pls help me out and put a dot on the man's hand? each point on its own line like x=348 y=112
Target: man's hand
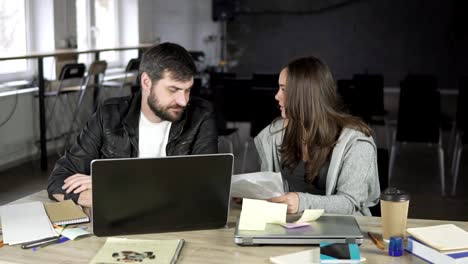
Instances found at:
x=77 y=183
x=86 y=198
x=291 y=199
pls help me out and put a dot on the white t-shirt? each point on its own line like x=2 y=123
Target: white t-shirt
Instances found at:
x=153 y=138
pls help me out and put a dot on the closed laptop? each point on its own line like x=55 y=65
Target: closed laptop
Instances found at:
x=328 y=228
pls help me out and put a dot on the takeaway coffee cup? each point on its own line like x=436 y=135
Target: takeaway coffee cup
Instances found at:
x=394 y=208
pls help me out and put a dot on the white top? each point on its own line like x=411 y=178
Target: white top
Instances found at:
x=153 y=138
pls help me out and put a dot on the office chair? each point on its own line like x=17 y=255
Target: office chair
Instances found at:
x=250 y=158
x=368 y=101
x=71 y=80
x=130 y=77
x=225 y=145
x=460 y=129
x=419 y=119
x=345 y=89
x=228 y=95
x=82 y=113
x=264 y=107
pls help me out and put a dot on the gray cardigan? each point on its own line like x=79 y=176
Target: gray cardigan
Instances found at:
x=352 y=184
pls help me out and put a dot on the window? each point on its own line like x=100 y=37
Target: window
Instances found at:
x=13 y=39
x=97 y=27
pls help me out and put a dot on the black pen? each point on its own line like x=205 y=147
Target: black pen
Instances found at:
x=42 y=242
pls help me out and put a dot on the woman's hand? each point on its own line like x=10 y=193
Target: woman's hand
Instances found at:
x=291 y=199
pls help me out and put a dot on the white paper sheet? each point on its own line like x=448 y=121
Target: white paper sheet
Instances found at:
x=257 y=185
x=253 y=215
x=310 y=215
x=25 y=222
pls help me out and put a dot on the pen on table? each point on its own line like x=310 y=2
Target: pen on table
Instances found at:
x=42 y=242
x=60 y=240
x=376 y=241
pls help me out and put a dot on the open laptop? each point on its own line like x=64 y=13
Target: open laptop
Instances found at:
x=151 y=195
x=328 y=228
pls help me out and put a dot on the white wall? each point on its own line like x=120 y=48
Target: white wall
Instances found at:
x=129 y=35
x=18 y=135
x=64 y=21
x=185 y=22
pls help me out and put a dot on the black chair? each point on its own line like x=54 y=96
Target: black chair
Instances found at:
x=64 y=107
x=264 y=107
x=228 y=94
x=419 y=118
x=368 y=101
x=130 y=78
x=460 y=129
x=345 y=89
x=382 y=163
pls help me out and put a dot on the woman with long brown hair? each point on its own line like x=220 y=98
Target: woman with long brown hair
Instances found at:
x=327 y=157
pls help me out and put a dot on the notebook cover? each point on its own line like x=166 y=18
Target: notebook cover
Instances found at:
x=65 y=212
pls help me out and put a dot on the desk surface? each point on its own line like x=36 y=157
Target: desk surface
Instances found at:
x=206 y=246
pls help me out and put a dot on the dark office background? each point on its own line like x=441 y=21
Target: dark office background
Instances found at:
x=391 y=37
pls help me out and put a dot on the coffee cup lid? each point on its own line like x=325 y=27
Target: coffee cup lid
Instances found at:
x=392 y=194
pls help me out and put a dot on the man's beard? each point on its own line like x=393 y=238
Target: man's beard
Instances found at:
x=163 y=112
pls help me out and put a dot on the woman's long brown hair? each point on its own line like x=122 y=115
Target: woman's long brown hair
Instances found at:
x=315 y=116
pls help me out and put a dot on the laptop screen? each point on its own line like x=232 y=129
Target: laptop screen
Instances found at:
x=150 y=195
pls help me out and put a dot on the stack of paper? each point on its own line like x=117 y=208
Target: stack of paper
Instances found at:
x=442 y=237
x=440 y=244
x=25 y=222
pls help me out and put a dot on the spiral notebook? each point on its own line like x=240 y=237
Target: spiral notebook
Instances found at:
x=65 y=213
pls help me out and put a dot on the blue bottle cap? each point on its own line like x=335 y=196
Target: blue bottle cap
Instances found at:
x=395 y=248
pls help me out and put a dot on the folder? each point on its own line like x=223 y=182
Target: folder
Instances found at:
x=65 y=213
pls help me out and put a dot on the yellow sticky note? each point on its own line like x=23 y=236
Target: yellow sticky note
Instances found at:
x=310 y=215
x=253 y=215
x=276 y=213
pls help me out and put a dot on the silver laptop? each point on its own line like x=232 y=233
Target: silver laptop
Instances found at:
x=328 y=228
x=152 y=195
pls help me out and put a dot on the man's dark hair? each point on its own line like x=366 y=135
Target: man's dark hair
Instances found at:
x=169 y=57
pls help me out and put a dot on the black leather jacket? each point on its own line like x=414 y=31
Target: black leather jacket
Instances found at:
x=112 y=132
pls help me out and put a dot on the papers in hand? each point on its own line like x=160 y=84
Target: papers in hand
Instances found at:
x=25 y=222
x=257 y=185
x=256 y=214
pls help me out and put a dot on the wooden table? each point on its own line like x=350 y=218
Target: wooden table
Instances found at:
x=206 y=246
x=39 y=56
